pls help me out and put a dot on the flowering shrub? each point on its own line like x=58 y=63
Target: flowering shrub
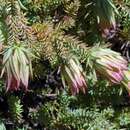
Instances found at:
x=80 y=47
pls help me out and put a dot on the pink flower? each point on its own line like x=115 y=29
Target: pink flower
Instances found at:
x=17 y=67
x=109 y=64
x=72 y=76
x=115 y=77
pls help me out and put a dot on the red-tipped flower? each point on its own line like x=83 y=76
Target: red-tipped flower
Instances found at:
x=72 y=76
x=17 y=66
x=109 y=64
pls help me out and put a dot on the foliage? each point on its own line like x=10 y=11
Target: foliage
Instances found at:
x=15 y=108
x=67 y=44
x=2 y=126
x=65 y=114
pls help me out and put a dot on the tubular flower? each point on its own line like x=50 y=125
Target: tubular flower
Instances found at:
x=17 y=67
x=109 y=64
x=72 y=76
x=126 y=80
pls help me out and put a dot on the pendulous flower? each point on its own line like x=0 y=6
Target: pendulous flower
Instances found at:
x=72 y=76
x=110 y=64
x=17 y=67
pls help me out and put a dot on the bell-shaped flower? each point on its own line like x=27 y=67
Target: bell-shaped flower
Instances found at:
x=17 y=67
x=72 y=76
x=109 y=64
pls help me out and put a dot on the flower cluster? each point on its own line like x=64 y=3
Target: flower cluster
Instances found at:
x=72 y=76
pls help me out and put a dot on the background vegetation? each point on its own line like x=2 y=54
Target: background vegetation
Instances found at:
x=64 y=64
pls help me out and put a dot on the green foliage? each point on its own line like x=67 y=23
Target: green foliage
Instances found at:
x=22 y=129
x=124 y=119
x=2 y=86
x=39 y=10
x=88 y=112
x=63 y=114
x=124 y=19
x=54 y=30
x=3 y=32
x=15 y=108
x=2 y=126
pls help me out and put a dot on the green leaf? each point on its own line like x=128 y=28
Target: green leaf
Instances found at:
x=22 y=6
x=7 y=54
x=2 y=126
